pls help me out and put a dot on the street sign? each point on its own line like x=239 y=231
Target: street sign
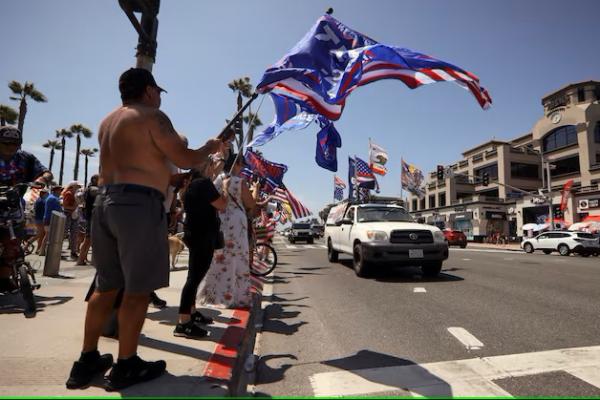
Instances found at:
x=538 y=200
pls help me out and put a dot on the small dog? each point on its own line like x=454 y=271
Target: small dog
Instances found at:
x=176 y=246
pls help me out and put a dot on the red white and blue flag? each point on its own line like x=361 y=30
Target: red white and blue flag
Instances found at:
x=332 y=60
x=338 y=188
x=299 y=210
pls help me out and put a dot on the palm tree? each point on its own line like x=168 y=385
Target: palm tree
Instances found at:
x=79 y=130
x=244 y=88
x=8 y=115
x=23 y=91
x=52 y=145
x=253 y=122
x=87 y=153
x=63 y=134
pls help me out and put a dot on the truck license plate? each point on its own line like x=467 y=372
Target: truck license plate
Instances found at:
x=415 y=253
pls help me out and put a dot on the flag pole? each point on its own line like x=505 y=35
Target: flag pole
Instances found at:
x=237 y=115
x=401 y=173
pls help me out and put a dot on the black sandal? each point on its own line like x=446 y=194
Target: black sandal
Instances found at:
x=201 y=319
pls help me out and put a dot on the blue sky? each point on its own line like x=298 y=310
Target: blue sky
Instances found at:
x=74 y=52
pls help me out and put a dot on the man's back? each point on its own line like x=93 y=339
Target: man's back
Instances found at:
x=128 y=153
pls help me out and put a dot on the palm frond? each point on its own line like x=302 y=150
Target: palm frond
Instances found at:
x=66 y=133
x=8 y=114
x=38 y=96
x=15 y=87
x=81 y=129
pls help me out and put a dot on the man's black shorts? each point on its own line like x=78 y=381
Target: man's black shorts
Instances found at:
x=129 y=239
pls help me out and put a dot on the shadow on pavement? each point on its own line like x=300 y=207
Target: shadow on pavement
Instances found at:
x=275 y=311
x=276 y=326
x=169 y=386
x=266 y=374
x=393 y=274
x=175 y=348
x=366 y=364
x=14 y=303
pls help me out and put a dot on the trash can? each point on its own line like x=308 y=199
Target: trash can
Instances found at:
x=56 y=235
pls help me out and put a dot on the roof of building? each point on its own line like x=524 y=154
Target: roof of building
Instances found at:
x=568 y=86
x=483 y=145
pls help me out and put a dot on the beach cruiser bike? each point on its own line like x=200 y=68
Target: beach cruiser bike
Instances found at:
x=264 y=256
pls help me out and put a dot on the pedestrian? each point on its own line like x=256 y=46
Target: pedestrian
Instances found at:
x=202 y=201
x=129 y=229
x=39 y=207
x=89 y=196
x=227 y=282
x=52 y=204
x=70 y=206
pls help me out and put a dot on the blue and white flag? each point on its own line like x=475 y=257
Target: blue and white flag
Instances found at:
x=328 y=140
x=332 y=60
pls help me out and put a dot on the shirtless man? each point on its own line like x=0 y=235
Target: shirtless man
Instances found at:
x=129 y=235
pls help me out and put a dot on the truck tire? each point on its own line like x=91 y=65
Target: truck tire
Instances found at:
x=332 y=255
x=528 y=247
x=311 y=241
x=432 y=269
x=292 y=241
x=361 y=267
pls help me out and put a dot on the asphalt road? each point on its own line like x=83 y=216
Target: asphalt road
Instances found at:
x=328 y=332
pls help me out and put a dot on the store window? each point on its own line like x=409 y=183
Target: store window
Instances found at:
x=580 y=95
x=414 y=205
x=565 y=166
x=442 y=199
x=492 y=171
x=560 y=137
x=523 y=170
x=422 y=204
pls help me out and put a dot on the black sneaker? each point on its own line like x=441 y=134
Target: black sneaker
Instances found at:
x=157 y=301
x=201 y=319
x=83 y=372
x=189 y=330
x=132 y=371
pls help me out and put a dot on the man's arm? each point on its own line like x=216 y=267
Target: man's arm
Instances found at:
x=170 y=143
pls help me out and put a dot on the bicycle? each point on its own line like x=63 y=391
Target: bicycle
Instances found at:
x=11 y=219
x=263 y=255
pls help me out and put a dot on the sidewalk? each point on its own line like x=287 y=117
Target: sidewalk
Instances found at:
x=36 y=354
x=510 y=246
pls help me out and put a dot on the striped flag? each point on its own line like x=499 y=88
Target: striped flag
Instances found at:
x=378 y=157
x=338 y=188
x=337 y=181
x=283 y=195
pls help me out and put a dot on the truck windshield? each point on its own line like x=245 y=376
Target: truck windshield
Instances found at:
x=301 y=226
x=373 y=214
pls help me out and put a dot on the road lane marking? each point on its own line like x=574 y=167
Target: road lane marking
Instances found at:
x=490 y=251
x=466 y=259
x=290 y=246
x=463 y=336
x=460 y=378
x=419 y=290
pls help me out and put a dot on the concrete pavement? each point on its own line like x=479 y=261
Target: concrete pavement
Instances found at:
x=36 y=354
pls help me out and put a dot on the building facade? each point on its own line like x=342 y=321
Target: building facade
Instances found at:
x=564 y=144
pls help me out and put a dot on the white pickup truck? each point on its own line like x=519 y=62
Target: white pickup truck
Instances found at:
x=383 y=234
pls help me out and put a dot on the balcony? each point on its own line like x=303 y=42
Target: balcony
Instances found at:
x=587 y=189
x=463 y=164
x=491 y=154
x=478 y=157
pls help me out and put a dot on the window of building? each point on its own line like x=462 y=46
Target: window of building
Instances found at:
x=597 y=132
x=580 y=95
x=522 y=170
x=492 y=171
x=422 y=204
x=432 y=201
x=565 y=166
x=414 y=205
x=560 y=137
x=442 y=199
x=597 y=158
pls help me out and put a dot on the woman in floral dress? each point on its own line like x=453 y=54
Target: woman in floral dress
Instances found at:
x=227 y=283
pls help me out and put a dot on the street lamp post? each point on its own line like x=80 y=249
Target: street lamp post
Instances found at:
x=549 y=196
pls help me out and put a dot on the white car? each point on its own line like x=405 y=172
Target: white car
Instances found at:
x=564 y=242
x=383 y=234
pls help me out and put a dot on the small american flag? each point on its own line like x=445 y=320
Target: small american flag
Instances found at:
x=338 y=182
x=363 y=171
x=299 y=210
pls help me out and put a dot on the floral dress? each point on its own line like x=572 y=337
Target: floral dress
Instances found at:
x=227 y=282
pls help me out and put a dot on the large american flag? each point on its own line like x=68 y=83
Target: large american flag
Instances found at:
x=364 y=174
x=332 y=60
x=283 y=195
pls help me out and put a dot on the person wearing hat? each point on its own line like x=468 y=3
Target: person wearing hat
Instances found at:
x=39 y=208
x=16 y=166
x=70 y=206
x=129 y=228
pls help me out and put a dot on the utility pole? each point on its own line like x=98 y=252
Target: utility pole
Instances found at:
x=147 y=29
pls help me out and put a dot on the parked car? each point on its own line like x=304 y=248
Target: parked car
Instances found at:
x=564 y=242
x=383 y=234
x=301 y=232
x=455 y=238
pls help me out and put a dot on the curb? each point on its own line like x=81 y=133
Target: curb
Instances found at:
x=227 y=363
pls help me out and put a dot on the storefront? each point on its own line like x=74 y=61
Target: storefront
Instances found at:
x=496 y=223
x=462 y=222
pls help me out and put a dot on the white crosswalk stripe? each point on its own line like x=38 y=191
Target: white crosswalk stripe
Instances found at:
x=471 y=377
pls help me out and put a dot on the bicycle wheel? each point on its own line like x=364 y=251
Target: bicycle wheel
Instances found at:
x=27 y=291
x=264 y=260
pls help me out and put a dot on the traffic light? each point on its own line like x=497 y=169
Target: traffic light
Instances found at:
x=440 y=172
x=485 y=179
